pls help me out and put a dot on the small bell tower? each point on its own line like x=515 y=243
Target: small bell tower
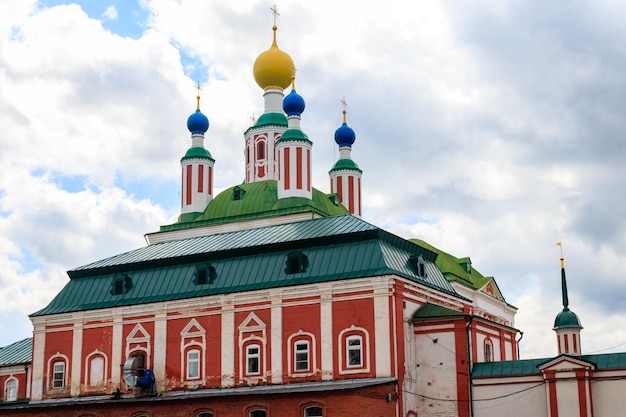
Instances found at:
x=197 y=167
x=567 y=325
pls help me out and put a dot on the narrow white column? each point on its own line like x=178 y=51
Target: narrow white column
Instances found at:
x=39 y=345
x=116 y=351
x=326 y=321
x=77 y=355
x=228 y=341
x=160 y=349
x=381 y=329
x=277 y=336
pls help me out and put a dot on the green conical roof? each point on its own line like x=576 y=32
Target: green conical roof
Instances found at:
x=567 y=319
x=345 y=164
x=197 y=152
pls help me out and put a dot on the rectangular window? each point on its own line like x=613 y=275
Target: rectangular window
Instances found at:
x=301 y=356
x=253 y=355
x=354 y=351
x=58 y=375
x=193 y=364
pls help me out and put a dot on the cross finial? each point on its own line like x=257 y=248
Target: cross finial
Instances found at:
x=562 y=259
x=253 y=118
x=274 y=10
x=199 y=88
x=344 y=103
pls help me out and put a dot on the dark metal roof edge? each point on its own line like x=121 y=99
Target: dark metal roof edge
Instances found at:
x=291 y=388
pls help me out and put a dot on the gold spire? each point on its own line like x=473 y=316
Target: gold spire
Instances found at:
x=344 y=103
x=199 y=88
x=562 y=258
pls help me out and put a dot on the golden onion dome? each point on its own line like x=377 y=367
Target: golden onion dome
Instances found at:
x=273 y=68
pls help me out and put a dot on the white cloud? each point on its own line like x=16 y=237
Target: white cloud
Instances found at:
x=110 y=13
x=490 y=130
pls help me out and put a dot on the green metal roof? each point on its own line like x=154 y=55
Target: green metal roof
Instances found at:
x=273 y=118
x=197 y=152
x=16 y=353
x=257 y=200
x=603 y=361
x=345 y=163
x=337 y=248
x=293 y=134
x=454 y=269
x=508 y=368
x=432 y=311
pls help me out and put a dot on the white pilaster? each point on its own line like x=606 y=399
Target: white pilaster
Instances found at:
x=116 y=351
x=39 y=345
x=326 y=321
x=160 y=348
x=381 y=330
x=277 y=336
x=228 y=341
x=77 y=355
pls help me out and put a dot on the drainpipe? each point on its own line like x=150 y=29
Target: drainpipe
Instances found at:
x=469 y=363
x=521 y=335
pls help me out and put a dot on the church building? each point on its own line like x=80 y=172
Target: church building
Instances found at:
x=274 y=298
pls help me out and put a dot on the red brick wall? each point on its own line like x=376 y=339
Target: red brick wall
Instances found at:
x=363 y=402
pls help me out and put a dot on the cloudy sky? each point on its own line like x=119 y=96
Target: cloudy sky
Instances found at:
x=489 y=129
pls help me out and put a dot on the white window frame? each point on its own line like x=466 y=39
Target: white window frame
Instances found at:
x=297 y=351
x=55 y=382
x=191 y=361
x=353 y=347
x=253 y=356
x=90 y=382
x=345 y=337
x=11 y=387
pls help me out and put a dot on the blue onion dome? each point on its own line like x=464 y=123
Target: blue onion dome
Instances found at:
x=293 y=103
x=198 y=123
x=345 y=136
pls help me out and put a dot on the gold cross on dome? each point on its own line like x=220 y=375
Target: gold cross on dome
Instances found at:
x=253 y=118
x=199 y=88
x=344 y=103
x=274 y=10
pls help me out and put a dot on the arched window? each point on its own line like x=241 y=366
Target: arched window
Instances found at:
x=260 y=150
x=313 y=411
x=257 y=412
x=253 y=357
x=488 y=351
x=204 y=414
x=96 y=370
x=193 y=364
x=354 y=350
x=301 y=356
x=10 y=390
